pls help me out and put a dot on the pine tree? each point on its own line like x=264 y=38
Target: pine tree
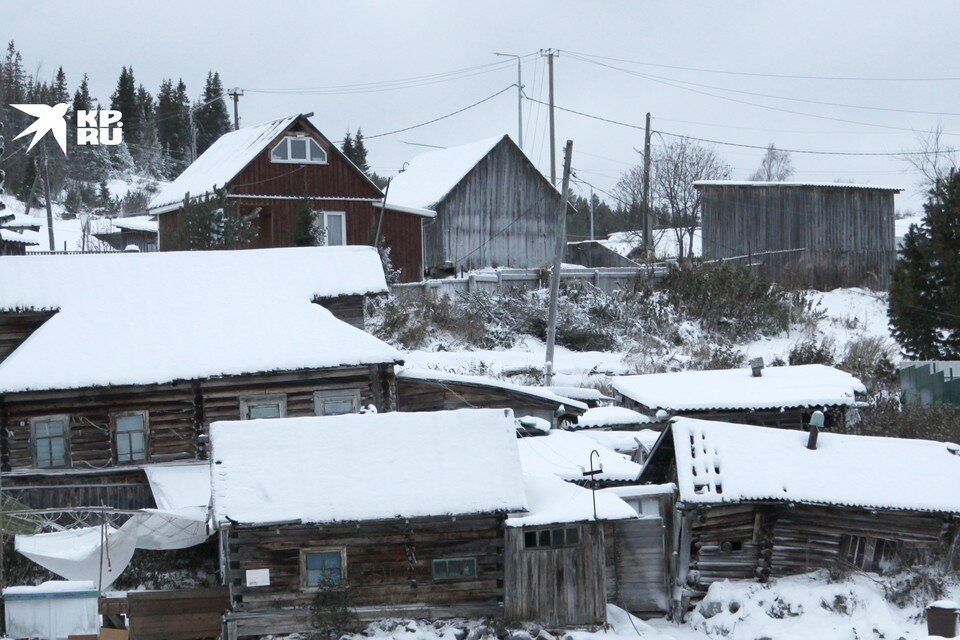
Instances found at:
x=24 y=191
x=173 y=125
x=212 y=119
x=81 y=97
x=212 y=222
x=124 y=100
x=359 y=157
x=347 y=145
x=306 y=231
x=59 y=93
x=924 y=307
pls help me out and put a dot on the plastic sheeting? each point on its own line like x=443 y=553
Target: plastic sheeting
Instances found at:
x=177 y=529
x=79 y=554
x=55 y=609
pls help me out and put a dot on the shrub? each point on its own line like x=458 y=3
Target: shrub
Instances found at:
x=331 y=613
x=886 y=417
x=870 y=358
x=813 y=351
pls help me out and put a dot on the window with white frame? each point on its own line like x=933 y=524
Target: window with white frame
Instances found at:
x=266 y=406
x=130 y=433
x=322 y=567
x=298 y=150
x=50 y=441
x=334 y=227
x=336 y=402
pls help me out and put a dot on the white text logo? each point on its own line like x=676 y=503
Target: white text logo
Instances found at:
x=102 y=126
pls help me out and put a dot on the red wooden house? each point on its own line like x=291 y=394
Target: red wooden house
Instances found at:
x=270 y=170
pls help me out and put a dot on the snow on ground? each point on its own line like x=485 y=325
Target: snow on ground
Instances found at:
x=665 y=241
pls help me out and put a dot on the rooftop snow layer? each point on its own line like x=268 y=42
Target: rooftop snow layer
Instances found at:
x=553 y=501
x=221 y=163
x=760 y=183
x=809 y=385
x=8 y=235
x=719 y=462
x=622 y=441
x=583 y=394
x=137 y=223
x=432 y=175
x=374 y=466
x=181 y=316
x=536 y=392
x=566 y=455
x=610 y=417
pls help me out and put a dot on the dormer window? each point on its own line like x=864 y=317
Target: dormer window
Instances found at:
x=298 y=150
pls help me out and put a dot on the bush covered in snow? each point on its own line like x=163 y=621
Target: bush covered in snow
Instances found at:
x=886 y=417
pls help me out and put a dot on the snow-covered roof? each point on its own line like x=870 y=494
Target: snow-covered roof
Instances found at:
x=809 y=385
x=622 y=441
x=22 y=221
x=8 y=235
x=374 y=466
x=432 y=375
x=137 y=223
x=719 y=462
x=641 y=490
x=221 y=163
x=566 y=455
x=760 y=183
x=432 y=175
x=582 y=394
x=611 y=417
x=186 y=315
x=553 y=501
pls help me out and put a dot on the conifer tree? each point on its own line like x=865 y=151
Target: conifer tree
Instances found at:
x=2 y=174
x=211 y=222
x=924 y=307
x=212 y=119
x=347 y=145
x=24 y=191
x=359 y=157
x=173 y=125
x=59 y=93
x=124 y=100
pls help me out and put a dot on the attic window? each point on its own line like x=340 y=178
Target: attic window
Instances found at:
x=298 y=150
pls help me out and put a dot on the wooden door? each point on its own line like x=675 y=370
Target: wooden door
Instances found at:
x=641 y=564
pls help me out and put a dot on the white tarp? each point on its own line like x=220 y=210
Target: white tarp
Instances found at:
x=80 y=554
x=175 y=486
x=176 y=529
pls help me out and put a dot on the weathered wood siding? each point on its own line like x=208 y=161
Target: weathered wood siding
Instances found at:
x=178 y=414
x=557 y=586
x=426 y=395
x=346 y=308
x=278 y=188
x=119 y=488
x=793 y=418
x=643 y=582
x=847 y=233
x=389 y=568
x=502 y=213
x=16 y=326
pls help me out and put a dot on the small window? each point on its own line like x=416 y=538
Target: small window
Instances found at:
x=335 y=228
x=649 y=507
x=335 y=403
x=454 y=568
x=50 y=441
x=554 y=537
x=130 y=432
x=256 y=407
x=298 y=150
x=322 y=567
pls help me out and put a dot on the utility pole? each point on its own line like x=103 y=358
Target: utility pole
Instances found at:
x=647 y=222
x=557 y=263
x=519 y=97
x=550 y=53
x=46 y=196
x=235 y=93
x=591 y=216
x=193 y=137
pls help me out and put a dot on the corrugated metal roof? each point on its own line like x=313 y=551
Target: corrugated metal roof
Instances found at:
x=758 y=183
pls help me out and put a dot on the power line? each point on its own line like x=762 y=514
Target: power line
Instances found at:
x=769 y=75
x=738 y=144
x=763 y=95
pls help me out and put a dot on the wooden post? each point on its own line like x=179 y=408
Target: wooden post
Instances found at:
x=647 y=222
x=557 y=264
x=46 y=196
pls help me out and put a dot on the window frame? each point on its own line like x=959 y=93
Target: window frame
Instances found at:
x=285 y=141
x=303 y=565
x=326 y=228
x=65 y=418
x=537 y=531
x=116 y=436
x=246 y=401
x=325 y=395
x=471 y=559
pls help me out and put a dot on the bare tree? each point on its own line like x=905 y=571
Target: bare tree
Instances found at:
x=629 y=193
x=776 y=166
x=675 y=168
x=933 y=158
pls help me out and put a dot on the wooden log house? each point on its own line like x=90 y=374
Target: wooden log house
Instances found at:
x=381 y=512
x=772 y=397
x=110 y=363
x=755 y=502
x=273 y=172
x=430 y=390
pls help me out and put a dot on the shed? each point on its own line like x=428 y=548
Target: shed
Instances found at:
x=432 y=390
x=52 y=610
x=138 y=231
x=822 y=235
x=274 y=171
x=395 y=514
x=757 y=502
x=493 y=206
x=779 y=397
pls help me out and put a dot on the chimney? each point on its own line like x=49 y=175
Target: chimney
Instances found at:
x=756 y=366
x=816 y=423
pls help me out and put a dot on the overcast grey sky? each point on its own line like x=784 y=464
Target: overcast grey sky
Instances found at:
x=307 y=45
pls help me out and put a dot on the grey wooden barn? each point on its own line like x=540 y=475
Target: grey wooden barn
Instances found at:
x=493 y=206
x=812 y=234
